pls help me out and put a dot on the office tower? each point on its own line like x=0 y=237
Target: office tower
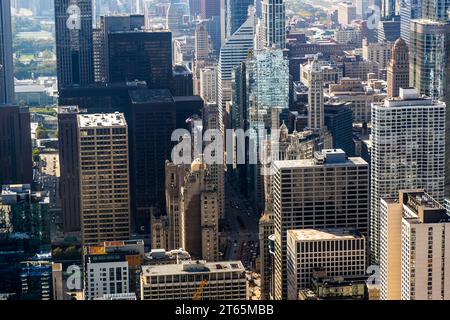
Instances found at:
x=74 y=42
x=328 y=191
x=354 y=91
x=138 y=6
x=69 y=166
x=268 y=71
x=408 y=151
x=388 y=30
x=273 y=23
x=429 y=39
x=409 y=10
x=173 y=183
x=212 y=121
x=266 y=268
x=340 y=252
x=202 y=49
x=315 y=98
x=413 y=250
x=6 y=54
x=208 y=84
x=435 y=10
x=379 y=52
x=199 y=213
x=104 y=177
x=200 y=280
x=177 y=18
x=182 y=82
x=209 y=8
x=398 y=69
x=232 y=53
x=388 y=8
x=153 y=116
x=194 y=8
x=349 y=35
x=346 y=13
x=15 y=145
x=110 y=24
x=111 y=268
x=28 y=212
x=214 y=31
x=362 y=9
x=36 y=280
x=338 y=119
x=141 y=55
x=236 y=14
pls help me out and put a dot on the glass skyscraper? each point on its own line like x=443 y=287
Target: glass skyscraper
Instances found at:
x=236 y=14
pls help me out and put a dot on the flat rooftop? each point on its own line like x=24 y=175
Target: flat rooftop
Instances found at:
x=151 y=96
x=192 y=267
x=292 y=164
x=324 y=234
x=96 y=120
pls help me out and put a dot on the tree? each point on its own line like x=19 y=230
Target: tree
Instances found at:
x=41 y=133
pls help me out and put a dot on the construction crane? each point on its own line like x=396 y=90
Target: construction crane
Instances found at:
x=198 y=292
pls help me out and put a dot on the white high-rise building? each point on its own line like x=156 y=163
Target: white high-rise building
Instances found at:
x=329 y=191
x=346 y=13
x=199 y=280
x=340 y=252
x=208 y=84
x=273 y=23
x=408 y=151
x=414 y=250
x=316 y=116
x=104 y=177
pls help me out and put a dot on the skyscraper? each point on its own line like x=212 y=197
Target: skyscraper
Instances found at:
x=269 y=83
x=429 y=65
x=315 y=97
x=15 y=145
x=328 y=191
x=414 y=254
x=110 y=24
x=141 y=55
x=409 y=10
x=74 y=42
x=273 y=23
x=232 y=53
x=69 y=167
x=153 y=116
x=408 y=151
x=6 y=54
x=209 y=8
x=104 y=177
x=237 y=12
x=398 y=69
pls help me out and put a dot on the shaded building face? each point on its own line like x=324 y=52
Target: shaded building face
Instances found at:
x=15 y=145
x=144 y=56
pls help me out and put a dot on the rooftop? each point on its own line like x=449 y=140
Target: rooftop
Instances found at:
x=328 y=157
x=192 y=266
x=324 y=234
x=101 y=120
x=151 y=96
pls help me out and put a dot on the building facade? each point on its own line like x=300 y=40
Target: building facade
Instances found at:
x=200 y=280
x=408 y=151
x=104 y=177
x=328 y=191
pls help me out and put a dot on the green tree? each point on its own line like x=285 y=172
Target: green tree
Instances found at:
x=41 y=133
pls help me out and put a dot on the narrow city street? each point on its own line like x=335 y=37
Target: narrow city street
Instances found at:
x=242 y=228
